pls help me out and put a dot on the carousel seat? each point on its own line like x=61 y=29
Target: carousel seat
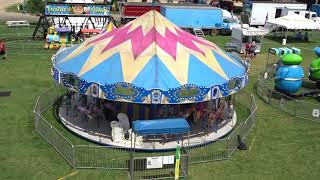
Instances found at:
x=139 y=139
x=117 y=133
x=123 y=121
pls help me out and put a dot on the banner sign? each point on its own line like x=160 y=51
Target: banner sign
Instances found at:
x=77 y=10
x=154 y=162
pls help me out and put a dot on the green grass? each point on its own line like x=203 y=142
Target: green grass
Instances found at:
x=14 y=33
x=281 y=146
x=13 y=8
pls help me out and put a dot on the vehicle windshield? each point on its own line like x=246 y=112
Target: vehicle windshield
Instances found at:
x=257 y=39
x=226 y=21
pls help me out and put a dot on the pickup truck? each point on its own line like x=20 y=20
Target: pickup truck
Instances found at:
x=131 y=10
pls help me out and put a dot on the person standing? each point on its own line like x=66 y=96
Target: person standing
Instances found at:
x=306 y=36
x=3 y=50
x=247 y=51
x=253 y=48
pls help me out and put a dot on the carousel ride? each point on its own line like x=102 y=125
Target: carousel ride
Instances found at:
x=145 y=70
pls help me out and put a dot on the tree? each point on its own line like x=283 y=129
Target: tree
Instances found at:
x=35 y=6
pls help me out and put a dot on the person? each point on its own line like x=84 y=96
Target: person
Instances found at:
x=247 y=53
x=306 y=37
x=253 y=48
x=3 y=50
x=212 y=118
x=299 y=36
x=199 y=112
x=229 y=110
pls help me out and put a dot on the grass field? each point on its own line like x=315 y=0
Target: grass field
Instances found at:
x=13 y=8
x=281 y=147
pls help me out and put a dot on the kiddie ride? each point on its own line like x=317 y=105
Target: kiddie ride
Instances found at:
x=289 y=75
x=63 y=37
x=59 y=37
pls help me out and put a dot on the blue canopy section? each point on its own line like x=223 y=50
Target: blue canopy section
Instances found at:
x=284 y=51
x=160 y=126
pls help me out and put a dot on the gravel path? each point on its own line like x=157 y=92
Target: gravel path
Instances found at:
x=12 y=16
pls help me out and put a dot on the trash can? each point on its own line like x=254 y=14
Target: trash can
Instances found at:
x=284 y=42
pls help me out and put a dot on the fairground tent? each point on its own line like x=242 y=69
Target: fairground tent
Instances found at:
x=293 y=22
x=149 y=60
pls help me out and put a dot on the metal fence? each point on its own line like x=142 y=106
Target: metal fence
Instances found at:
x=290 y=105
x=16 y=32
x=25 y=48
x=94 y=156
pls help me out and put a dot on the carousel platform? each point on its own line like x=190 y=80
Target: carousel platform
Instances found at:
x=99 y=130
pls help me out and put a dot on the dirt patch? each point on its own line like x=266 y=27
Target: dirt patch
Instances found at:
x=12 y=16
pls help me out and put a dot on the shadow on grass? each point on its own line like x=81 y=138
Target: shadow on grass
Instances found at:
x=290 y=39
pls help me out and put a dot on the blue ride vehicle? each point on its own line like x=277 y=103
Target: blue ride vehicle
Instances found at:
x=289 y=75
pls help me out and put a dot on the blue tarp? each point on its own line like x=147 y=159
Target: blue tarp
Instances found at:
x=160 y=126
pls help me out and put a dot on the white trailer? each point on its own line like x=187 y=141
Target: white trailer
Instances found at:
x=240 y=36
x=260 y=11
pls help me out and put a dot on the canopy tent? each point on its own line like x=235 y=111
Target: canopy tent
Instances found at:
x=149 y=60
x=293 y=22
x=251 y=31
x=284 y=50
x=279 y=52
x=160 y=126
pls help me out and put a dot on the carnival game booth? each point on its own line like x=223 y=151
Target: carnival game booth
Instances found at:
x=147 y=69
x=245 y=34
x=74 y=15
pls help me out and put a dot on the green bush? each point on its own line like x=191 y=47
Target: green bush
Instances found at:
x=35 y=6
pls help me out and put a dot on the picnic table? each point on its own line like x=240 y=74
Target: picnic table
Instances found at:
x=17 y=23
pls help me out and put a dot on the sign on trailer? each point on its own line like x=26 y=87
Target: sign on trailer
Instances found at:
x=77 y=9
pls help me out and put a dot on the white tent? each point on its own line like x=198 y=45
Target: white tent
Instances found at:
x=294 y=22
x=251 y=31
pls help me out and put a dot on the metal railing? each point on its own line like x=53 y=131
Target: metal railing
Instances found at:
x=265 y=89
x=28 y=49
x=110 y=157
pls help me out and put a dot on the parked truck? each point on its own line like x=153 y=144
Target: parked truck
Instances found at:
x=187 y=16
x=260 y=11
x=132 y=10
x=316 y=8
x=230 y=21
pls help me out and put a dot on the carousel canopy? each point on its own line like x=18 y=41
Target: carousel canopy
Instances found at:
x=149 y=54
x=160 y=126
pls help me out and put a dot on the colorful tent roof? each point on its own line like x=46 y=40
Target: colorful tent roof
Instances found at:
x=149 y=53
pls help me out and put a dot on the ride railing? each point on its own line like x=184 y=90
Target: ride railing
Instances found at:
x=26 y=48
x=16 y=32
x=293 y=106
x=47 y=131
x=110 y=157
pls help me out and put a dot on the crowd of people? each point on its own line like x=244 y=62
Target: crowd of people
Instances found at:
x=300 y=37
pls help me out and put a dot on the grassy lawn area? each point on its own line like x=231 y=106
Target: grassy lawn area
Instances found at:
x=13 y=8
x=280 y=146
